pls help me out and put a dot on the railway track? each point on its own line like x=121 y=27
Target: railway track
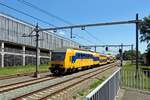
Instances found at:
x=19 y=75
x=54 y=89
x=9 y=87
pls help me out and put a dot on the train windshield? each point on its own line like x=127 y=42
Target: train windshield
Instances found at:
x=58 y=56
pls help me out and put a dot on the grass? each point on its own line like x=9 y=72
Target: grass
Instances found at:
x=21 y=69
x=95 y=82
x=146 y=67
x=129 y=66
x=93 y=85
x=129 y=78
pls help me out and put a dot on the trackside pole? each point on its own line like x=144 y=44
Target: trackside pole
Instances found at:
x=137 y=55
x=36 y=73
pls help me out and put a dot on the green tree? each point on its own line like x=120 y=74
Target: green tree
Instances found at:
x=127 y=55
x=145 y=31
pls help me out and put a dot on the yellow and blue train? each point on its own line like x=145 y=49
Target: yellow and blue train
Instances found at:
x=72 y=59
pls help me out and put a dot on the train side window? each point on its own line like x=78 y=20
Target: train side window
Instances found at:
x=79 y=55
x=88 y=56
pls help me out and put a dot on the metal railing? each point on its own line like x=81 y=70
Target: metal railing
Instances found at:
x=107 y=90
x=141 y=81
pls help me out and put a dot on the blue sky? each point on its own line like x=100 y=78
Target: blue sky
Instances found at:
x=88 y=11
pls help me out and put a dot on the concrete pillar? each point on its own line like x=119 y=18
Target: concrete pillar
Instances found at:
x=24 y=55
x=2 y=59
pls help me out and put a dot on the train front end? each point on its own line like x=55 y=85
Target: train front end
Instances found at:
x=57 y=62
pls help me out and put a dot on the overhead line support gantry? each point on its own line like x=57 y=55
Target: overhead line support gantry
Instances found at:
x=136 y=22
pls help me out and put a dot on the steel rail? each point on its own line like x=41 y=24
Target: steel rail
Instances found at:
x=9 y=87
x=37 y=91
x=71 y=85
x=19 y=75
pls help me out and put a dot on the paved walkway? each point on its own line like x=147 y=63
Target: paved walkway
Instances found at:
x=133 y=94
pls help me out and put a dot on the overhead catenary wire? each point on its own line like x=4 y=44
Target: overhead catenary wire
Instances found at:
x=94 y=37
x=21 y=12
x=51 y=15
x=137 y=21
x=44 y=11
x=81 y=37
x=26 y=14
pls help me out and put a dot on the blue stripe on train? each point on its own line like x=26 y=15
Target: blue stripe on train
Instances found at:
x=84 y=56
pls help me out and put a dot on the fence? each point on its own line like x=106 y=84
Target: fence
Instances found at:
x=140 y=81
x=107 y=90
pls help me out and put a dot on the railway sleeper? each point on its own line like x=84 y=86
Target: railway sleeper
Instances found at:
x=79 y=87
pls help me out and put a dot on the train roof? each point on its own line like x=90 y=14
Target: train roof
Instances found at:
x=102 y=54
x=65 y=49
